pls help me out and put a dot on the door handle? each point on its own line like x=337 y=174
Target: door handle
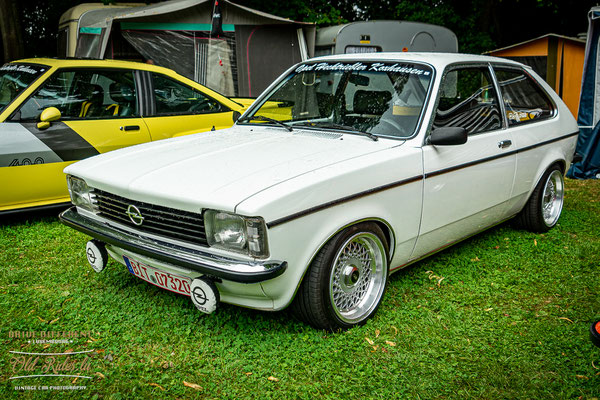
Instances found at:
x=130 y=128
x=504 y=143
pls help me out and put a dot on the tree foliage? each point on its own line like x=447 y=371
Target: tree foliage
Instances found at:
x=480 y=25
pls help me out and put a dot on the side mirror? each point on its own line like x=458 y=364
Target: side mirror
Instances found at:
x=448 y=136
x=50 y=114
x=236 y=116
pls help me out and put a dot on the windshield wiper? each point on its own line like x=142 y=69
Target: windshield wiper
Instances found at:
x=333 y=125
x=263 y=118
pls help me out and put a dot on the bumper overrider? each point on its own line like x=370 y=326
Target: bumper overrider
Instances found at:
x=241 y=271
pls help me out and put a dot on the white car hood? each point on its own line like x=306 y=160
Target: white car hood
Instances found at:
x=219 y=169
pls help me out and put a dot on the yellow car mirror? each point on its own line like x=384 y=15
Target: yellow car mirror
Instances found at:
x=43 y=125
x=48 y=115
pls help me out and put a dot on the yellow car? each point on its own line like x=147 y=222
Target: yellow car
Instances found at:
x=55 y=112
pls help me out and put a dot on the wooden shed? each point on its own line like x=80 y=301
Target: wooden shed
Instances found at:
x=558 y=59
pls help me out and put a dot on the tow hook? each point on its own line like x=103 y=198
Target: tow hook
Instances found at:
x=204 y=294
x=96 y=254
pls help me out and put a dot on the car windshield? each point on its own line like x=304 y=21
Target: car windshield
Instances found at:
x=14 y=78
x=380 y=98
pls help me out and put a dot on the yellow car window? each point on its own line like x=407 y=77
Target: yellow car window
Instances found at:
x=14 y=78
x=85 y=94
x=174 y=98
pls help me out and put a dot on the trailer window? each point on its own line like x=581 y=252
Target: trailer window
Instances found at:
x=362 y=49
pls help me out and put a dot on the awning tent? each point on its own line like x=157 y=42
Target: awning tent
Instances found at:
x=588 y=119
x=558 y=59
x=251 y=51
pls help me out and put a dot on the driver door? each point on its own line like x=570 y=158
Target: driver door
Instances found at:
x=467 y=186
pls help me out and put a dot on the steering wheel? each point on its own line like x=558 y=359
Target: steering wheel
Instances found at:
x=201 y=106
x=397 y=129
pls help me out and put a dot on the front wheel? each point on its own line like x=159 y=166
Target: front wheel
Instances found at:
x=346 y=280
x=545 y=204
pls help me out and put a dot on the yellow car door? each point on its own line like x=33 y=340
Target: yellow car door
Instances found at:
x=182 y=107
x=99 y=112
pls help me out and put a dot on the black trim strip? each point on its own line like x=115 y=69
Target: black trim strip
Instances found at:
x=145 y=93
x=344 y=200
x=64 y=141
x=469 y=164
x=409 y=180
x=505 y=154
x=533 y=146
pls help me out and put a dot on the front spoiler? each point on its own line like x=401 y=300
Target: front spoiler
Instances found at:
x=203 y=262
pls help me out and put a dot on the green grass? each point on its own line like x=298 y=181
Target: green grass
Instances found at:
x=509 y=319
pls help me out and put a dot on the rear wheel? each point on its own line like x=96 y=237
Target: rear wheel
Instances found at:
x=545 y=204
x=346 y=280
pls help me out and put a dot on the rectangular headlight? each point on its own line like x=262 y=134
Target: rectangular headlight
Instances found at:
x=80 y=193
x=247 y=235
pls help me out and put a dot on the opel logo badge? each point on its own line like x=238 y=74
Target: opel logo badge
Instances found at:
x=200 y=295
x=135 y=215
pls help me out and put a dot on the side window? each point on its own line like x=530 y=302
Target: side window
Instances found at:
x=468 y=100
x=84 y=94
x=174 y=98
x=524 y=100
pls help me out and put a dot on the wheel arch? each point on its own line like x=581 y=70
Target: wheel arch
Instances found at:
x=386 y=228
x=536 y=215
x=314 y=299
x=562 y=164
x=383 y=224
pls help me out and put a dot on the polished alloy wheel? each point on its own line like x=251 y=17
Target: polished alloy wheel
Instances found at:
x=552 y=198
x=358 y=277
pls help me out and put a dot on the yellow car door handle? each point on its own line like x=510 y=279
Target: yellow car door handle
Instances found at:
x=130 y=128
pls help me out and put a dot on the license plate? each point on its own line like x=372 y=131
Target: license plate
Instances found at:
x=165 y=280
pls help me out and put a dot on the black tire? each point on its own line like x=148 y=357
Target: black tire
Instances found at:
x=346 y=281
x=543 y=208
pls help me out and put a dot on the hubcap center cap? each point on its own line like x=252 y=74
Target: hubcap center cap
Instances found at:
x=350 y=275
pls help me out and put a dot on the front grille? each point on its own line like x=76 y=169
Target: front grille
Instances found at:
x=159 y=220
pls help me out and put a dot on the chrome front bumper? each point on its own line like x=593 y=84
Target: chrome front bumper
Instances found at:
x=203 y=262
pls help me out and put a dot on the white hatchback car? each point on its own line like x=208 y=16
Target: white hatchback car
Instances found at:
x=346 y=169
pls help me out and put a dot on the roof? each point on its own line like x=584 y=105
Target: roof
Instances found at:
x=102 y=18
x=74 y=13
x=79 y=62
x=438 y=60
x=328 y=35
x=82 y=62
x=554 y=35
